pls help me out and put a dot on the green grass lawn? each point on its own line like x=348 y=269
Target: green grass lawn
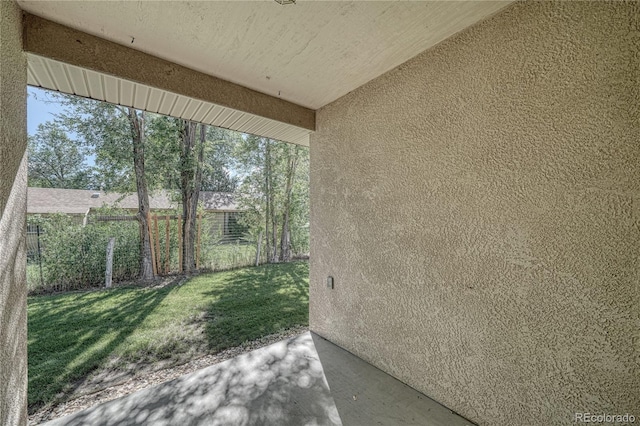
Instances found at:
x=226 y=256
x=74 y=334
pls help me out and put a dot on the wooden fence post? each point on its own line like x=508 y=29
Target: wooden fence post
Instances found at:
x=152 y=246
x=157 y=241
x=109 y=271
x=167 y=261
x=39 y=255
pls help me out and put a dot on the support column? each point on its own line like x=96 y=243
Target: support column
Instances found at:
x=13 y=201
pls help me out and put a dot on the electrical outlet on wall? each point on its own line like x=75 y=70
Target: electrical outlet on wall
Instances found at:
x=330 y=282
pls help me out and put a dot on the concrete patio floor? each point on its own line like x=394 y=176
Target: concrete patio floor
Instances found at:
x=305 y=380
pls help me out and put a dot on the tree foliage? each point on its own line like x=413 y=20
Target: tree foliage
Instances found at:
x=104 y=130
x=116 y=135
x=274 y=194
x=165 y=149
x=219 y=160
x=56 y=160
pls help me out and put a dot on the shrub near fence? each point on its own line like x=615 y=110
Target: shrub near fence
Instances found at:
x=71 y=256
x=66 y=254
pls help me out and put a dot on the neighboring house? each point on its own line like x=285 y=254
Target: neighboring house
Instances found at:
x=81 y=204
x=82 y=201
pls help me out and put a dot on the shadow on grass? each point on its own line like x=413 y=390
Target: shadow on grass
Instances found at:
x=72 y=334
x=254 y=302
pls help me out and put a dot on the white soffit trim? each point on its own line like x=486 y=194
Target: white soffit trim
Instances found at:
x=50 y=74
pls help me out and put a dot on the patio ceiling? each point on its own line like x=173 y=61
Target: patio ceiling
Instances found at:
x=62 y=77
x=308 y=54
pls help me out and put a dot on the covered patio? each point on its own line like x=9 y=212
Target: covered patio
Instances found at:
x=305 y=380
x=475 y=220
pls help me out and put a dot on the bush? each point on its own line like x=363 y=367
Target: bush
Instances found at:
x=74 y=256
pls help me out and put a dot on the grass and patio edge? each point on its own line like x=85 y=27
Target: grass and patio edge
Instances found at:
x=79 y=335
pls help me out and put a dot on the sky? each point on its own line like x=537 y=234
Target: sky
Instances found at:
x=38 y=109
x=41 y=108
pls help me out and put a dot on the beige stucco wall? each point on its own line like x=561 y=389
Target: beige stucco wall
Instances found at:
x=13 y=201
x=479 y=209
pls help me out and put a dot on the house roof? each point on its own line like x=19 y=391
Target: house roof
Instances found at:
x=79 y=201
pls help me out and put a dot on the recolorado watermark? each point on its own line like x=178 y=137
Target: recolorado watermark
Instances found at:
x=603 y=418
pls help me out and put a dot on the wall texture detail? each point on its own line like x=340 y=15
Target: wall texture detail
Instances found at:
x=479 y=209
x=13 y=201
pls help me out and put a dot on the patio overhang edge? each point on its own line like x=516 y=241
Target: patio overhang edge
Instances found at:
x=61 y=43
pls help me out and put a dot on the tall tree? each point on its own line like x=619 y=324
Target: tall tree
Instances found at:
x=270 y=208
x=164 y=147
x=136 y=123
x=117 y=136
x=57 y=161
x=192 y=156
x=292 y=154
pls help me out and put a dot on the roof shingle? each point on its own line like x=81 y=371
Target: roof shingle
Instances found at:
x=79 y=201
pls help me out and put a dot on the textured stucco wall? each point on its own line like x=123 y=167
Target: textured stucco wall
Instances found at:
x=479 y=208
x=13 y=202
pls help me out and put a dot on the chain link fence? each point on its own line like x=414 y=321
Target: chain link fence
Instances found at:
x=69 y=252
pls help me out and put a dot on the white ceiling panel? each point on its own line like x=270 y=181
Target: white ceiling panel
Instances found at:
x=112 y=92
x=252 y=124
x=140 y=96
x=42 y=75
x=167 y=103
x=178 y=106
x=232 y=119
x=78 y=81
x=155 y=97
x=190 y=110
x=59 y=75
x=213 y=114
x=31 y=79
x=222 y=117
x=127 y=90
x=94 y=82
x=202 y=112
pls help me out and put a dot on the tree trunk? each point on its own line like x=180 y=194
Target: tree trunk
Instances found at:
x=137 y=136
x=195 y=195
x=285 y=238
x=270 y=213
x=190 y=183
x=267 y=213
